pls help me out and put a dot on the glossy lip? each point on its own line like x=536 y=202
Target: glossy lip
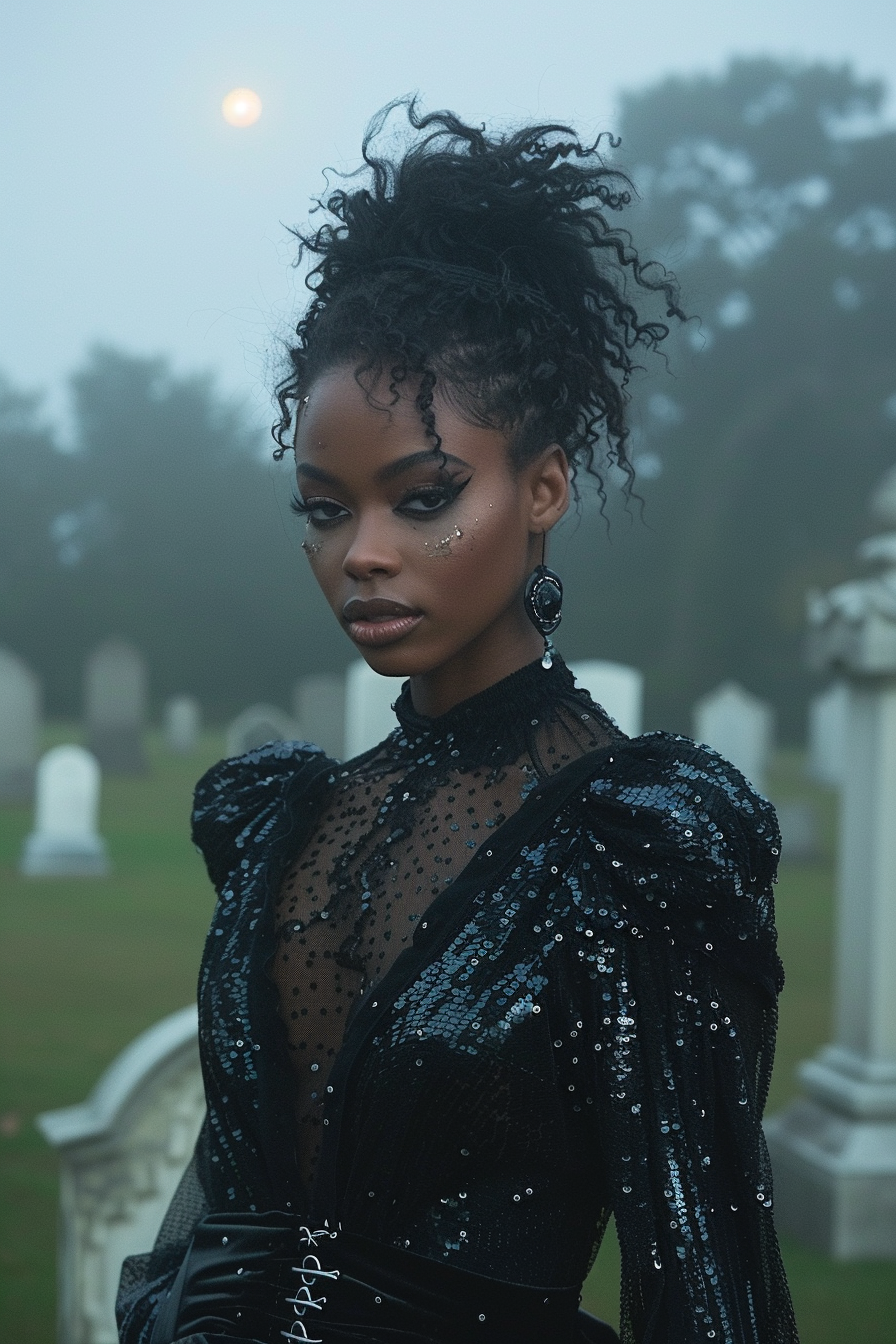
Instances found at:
x=378 y=621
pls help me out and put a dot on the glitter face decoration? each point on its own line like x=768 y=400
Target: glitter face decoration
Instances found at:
x=311 y=548
x=442 y=548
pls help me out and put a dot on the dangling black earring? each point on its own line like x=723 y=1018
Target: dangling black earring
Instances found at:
x=543 y=600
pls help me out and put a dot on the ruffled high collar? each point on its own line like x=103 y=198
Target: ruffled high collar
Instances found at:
x=497 y=712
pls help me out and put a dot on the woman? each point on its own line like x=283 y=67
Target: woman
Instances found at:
x=510 y=971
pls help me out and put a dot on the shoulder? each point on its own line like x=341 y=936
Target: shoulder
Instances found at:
x=237 y=800
x=688 y=801
x=689 y=846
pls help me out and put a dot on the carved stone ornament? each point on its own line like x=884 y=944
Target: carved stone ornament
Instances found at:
x=122 y=1153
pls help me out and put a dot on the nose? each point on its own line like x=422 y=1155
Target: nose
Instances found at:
x=370 y=554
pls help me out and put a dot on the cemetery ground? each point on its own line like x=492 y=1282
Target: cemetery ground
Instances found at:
x=90 y=962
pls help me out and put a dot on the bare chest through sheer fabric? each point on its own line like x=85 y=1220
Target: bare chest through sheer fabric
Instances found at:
x=395 y=828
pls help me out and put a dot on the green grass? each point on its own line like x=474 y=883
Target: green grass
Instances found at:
x=86 y=964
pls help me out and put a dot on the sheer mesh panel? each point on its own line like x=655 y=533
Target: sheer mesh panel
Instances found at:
x=396 y=828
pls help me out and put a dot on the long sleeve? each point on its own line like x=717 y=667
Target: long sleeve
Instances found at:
x=238 y=806
x=675 y=952
x=680 y=1082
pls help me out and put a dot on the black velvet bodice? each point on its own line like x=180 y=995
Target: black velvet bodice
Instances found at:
x=499 y=977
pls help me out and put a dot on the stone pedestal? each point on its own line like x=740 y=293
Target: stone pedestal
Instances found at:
x=834 y=1150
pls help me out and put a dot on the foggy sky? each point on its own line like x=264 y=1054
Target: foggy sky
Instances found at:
x=132 y=213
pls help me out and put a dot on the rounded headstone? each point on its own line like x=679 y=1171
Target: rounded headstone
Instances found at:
x=256 y=726
x=369 y=716
x=181 y=724
x=739 y=727
x=617 y=688
x=115 y=708
x=65 y=841
x=19 y=728
x=319 y=711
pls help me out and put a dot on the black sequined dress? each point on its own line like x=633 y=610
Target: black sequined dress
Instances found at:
x=469 y=994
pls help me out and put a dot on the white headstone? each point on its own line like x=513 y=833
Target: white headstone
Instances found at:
x=800 y=833
x=368 y=707
x=738 y=726
x=617 y=688
x=256 y=726
x=19 y=727
x=122 y=1153
x=319 y=711
x=827 y=734
x=65 y=841
x=115 y=708
x=181 y=724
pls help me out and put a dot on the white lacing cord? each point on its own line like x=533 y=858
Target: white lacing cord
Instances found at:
x=310 y=1271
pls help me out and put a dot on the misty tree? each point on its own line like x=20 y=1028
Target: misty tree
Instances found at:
x=168 y=525
x=771 y=192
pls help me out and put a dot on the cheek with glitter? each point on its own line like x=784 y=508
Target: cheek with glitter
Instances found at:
x=311 y=548
x=443 y=547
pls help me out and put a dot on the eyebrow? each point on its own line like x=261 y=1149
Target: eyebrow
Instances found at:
x=426 y=457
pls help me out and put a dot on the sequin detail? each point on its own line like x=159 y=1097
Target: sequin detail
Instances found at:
x=583 y=1019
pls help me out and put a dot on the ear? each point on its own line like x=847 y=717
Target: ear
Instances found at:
x=548 y=489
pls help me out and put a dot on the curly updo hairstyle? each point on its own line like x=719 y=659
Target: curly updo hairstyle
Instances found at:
x=483 y=265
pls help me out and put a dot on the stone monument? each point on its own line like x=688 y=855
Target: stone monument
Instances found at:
x=257 y=725
x=827 y=734
x=122 y=1153
x=181 y=721
x=65 y=841
x=834 y=1149
x=617 y=688
x=115 y=708
x=740 y=727
x=319 y=711
x=368 y=707
x=19 y=728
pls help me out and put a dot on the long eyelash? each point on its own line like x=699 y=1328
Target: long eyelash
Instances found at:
x=299 y=506
x=448 y=491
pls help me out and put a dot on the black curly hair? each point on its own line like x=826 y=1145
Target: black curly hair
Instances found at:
x=484 y=265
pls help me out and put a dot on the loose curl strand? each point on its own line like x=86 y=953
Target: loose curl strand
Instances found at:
x=484 y=266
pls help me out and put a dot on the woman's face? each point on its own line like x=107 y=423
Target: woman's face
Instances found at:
x=422 y=559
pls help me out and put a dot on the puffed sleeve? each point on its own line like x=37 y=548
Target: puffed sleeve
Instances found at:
x=240 y=808
x=238 y=801
x=679 y=974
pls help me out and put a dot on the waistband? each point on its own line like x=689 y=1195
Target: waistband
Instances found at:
x=269 y=1278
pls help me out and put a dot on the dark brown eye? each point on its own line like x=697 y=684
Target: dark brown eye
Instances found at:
x=318 y=512
x=432 y=499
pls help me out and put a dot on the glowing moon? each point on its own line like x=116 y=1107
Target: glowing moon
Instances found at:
x=241 y=107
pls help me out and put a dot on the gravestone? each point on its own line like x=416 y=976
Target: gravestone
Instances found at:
x=738 y=726
x=65 y=841
x=617 y=688
x=827 y=734
x=19 y=728
x=181 y=722
x=115 y=708
x=122 y=1153
x=798 y=823
x=368 y=707
x=318 y=707
x=256 y=726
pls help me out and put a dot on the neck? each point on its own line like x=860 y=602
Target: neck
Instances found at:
x=502 y=649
